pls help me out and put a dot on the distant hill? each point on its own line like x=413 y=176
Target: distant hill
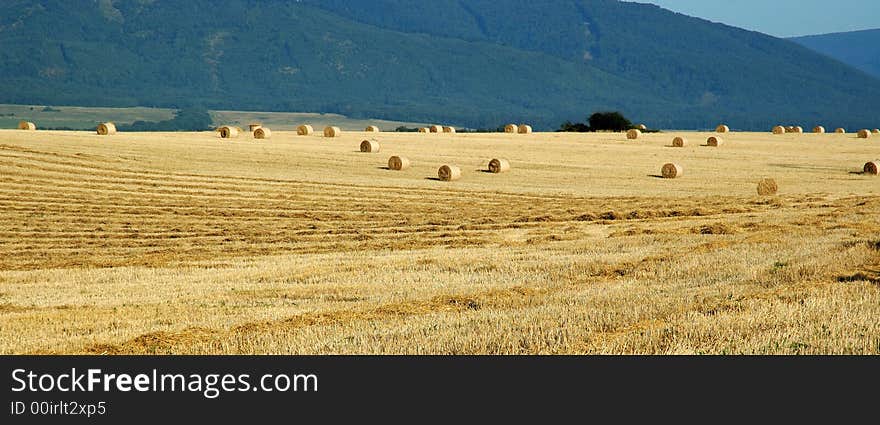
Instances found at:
x=475 y=63
x=860 y=49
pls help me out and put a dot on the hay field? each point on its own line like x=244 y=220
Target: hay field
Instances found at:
x=183 y=243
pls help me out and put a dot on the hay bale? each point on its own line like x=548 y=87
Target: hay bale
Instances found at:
x=840 y=131
x=722 y=129
x=872 y=168
x=524 y=129
x=797 y=129
x=332 y=132
x=262 y=133
x=671 y=171
x=449 y=173
x=679 y=142
x=864 y=134
x=436 y=129
x=511 y=128
x=253 y=126
x=106 y=129
x=424 y=130
x=642 y=127
x=398 y=163
x=372 y=129
x=228 y=132
x=876 y=131
x=633 y=134
x=779 y=129
x=499 y=166
x=819 y=129
x=26 y=125
x=789 y=129
x=305 y=130
x=714 y=141
x=369 y=146
x=449 y=130
x=767 y=187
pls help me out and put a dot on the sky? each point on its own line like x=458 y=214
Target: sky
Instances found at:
x=783 y=18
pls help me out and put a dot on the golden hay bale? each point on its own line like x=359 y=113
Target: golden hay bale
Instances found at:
x=864 y=134
x=253 y=126
x=524 y=129
x=633 y=134
x=398 y=163
x=872 y=168
x=436 y=129
x=797 y=129
x=499 y=166
x=305 y=130
x=106 y=129
x=449 y=173
x=679 y=142
x=332 y=132
x=671 y=171
x=262 y=133
x=25 y=125
x=789 y=129
x=819 y=129
x=642 y=127
x=228 y=132
x=369 y=146
x=714 y=141
x=767 y=187
x=424 y=130
x=372 y=129
x=449 y=129
x=840 y=131
x=779 y=129
x=722 y=129
x=511 y=128
x=876 y=131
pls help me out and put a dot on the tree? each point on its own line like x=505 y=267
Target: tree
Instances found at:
x=609 y=121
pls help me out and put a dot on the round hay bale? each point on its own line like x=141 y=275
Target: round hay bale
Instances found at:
x=633 y=134
x=398 y=163
x=872 y=168
x=436 y=129
x=789 y=129
x=228 y=132
x=372 y=129
x=767 y=187
x=253 y=126
x=840 y=131
x=864 y=134
x=511 y=128
x=722 y=129
x=26 y=125
x=332 y=132
x=671 y=171
x=305 y=130
x=424 y=130
x=262 y=133
x=499 y=166
x=449 y=130
x=642 y=127
x=714 y=141
x=679 y=142
x=524 y=129
x=819 y=129
x=779 y=129
x=797 y=129
x=449 y=173
x=106 y=129
x=369 y=146
x=876 y=131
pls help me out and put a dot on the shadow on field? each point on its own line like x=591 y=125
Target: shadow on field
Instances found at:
x=384 y=168
x=436 y=179
x=656 y=176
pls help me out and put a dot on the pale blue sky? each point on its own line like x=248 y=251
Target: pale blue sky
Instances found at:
x=783 y=18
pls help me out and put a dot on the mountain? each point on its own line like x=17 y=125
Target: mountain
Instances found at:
x=860 y=49
x=475 y=63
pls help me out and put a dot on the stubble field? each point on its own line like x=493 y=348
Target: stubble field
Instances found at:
x=180 y=243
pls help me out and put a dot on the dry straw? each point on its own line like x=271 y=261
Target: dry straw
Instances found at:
x=840 y=131
x=633 y=134
x=106 y=129
x=369 y=146
x=714 y=141
x=767 y=187
x=424 y=130
x=436 y=129
x=671 y=171
x=819 y=129
x=449 y=173
x=26 y=125
x=262 y=133
x=372 y=129
x=876 y=131
x=722 y=129
x=642 y=127
x=398 y=163
x=789 y=129
x=228 y=132
x=511 y=128
x=305 y=130
x=797 y=129
x=524 y=129
x=864 y=134
x=449 y=129
x=499 y=166
x=679 y=142
x=254 y=126
x=779 y=129
x=872 y=168
x=332 y=132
